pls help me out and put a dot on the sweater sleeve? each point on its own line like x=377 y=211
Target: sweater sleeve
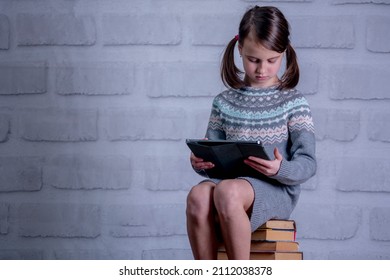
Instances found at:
x=214 y=130
x=299 y=164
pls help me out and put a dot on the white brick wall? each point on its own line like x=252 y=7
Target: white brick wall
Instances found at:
x=97 y=98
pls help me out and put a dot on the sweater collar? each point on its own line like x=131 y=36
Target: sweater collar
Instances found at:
x=258 y=91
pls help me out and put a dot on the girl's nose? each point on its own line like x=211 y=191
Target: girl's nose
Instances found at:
x=260 y=68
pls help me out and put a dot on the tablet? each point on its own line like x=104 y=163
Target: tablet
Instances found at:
x=228 y=156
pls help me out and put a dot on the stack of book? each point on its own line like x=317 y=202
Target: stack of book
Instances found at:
x=274 y=240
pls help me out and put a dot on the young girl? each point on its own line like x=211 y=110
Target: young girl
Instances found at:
x=258 y=105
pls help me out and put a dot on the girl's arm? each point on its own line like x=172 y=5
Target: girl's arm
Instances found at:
x=294 y=161
x=302 y=165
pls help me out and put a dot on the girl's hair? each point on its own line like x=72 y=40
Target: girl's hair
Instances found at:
x=270 y=29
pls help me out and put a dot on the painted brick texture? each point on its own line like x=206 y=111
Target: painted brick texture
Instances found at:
x=55 y=29
x=54 y=124
x=325 y=32
x=20 y=174
x=59 y=220
x=88 y=172
x=96 y=102
x=4 y=210
x=23 y=78
x=4 y=127
x=4 y=32
x=95 y=79
x=161 y=29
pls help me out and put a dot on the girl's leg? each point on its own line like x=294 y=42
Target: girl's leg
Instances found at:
x=201 y=223
x=233 y=200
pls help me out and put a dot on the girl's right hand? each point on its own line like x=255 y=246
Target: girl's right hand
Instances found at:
x=199 y=163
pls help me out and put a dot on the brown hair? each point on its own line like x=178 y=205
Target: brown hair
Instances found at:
x=272 y=31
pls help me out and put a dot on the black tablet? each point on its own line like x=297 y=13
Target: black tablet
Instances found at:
x=227 y=156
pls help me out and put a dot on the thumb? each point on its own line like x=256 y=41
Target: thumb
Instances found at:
x=277 y=154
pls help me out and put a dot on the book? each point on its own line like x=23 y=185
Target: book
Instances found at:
x=273 y=240
x=268 y=245
x=228 y=156
x=267 y=255
x=274 y=234
x=279 y=224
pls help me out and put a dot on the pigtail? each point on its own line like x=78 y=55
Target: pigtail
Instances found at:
x=290 y=77
x=230 y=74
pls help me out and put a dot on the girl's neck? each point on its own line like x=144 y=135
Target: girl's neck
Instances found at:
x=274 y=83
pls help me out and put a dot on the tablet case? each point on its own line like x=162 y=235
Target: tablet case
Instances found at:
x=227 y=156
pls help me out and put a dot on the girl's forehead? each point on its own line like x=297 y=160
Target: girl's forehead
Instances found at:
x=254 y=48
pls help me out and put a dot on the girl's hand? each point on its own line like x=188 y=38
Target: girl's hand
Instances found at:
x=199 y=163
x=267 y=167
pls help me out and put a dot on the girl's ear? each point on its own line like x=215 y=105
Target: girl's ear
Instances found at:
x=240 y=49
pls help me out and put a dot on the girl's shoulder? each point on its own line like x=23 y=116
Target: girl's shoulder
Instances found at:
x=292 y=94
x=224 y=95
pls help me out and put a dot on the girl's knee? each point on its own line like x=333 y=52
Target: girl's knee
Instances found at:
x=198 y=200
x=227 y=190
x=230 y=194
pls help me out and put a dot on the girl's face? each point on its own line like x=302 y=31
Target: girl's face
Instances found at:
x=261 y=65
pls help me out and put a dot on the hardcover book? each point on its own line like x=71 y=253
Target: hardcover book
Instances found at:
x=268 y=245
x=279 y=224
x=228 y=156
x=273 y=234
x=273 y=240
x=267 y=255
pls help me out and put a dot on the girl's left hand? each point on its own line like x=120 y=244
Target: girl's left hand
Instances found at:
x=267 y=167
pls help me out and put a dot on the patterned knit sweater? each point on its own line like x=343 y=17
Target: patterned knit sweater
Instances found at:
x=278 y=118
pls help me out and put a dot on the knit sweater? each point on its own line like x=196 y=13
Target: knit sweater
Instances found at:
x=278 y=118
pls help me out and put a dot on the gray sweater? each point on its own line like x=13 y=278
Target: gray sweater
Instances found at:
x=278 y=118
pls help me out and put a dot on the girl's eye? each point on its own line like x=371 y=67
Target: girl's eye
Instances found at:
x=253 y=60
x=272 y=61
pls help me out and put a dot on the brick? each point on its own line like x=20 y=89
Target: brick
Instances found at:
x=146 y=29
x=166 y=177
x=55 y=30
x=378 y=37
x=167 y=254
x=380 y=223
x=20 y=174
x=200 y=119
x=4 y=127
x=147 y=220
x=225 y=27
x=340 y=2
x=313 y=221
x=369 y=175
x=88 y=172
x=4 y=32
x=309 y=76
x=23 y=78
x=323 y=32
x=95 y=79
x=302 y=1
x=95 y=255
x=59 y=220
x=143 y=123
x=183 y=79
x=359 y=255
x=365 y=82
x=379 y=124
x=4 y=213
x=53 y=124
x=335 y=124
x=21 y=254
